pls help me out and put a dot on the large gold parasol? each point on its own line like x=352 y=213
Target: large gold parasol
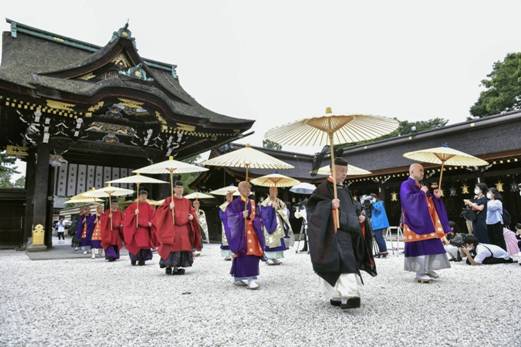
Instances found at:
x=352 y=170
x=108 y=192
x=225 y=190
x=248 y=158
x=445 y=156
x=197 y=196
x=137 y=179
x=275 y=180
x=170 y=167
x=82 y=199
x=329 y=130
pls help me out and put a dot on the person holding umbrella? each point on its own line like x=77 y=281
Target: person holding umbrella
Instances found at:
x=137 y=230
x=84 y=228
x=111 y=222
x=244 y=231
x=225 y=247
x=178 y=232
x=282 y=234
x=425 y=223
x=95 y=242
x=338 y=255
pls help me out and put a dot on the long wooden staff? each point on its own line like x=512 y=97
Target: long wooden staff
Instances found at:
x=336 y=217
x=172 y=193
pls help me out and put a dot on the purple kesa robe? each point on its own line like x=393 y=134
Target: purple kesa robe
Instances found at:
x=225 y=248
x=424 y=250
x=84 y=229
x=246 y=263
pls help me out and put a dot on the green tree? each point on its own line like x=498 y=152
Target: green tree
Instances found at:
x=7 y=163
x=20 y=182
x=7 y=169
x=268 y=144
x=5 y=180
x=189 y=178
x=405 y=128
x=502 y=88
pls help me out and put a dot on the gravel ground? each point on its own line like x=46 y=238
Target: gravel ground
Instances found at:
x=91 y=302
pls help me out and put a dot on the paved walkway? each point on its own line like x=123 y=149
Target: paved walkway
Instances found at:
x=85 y=302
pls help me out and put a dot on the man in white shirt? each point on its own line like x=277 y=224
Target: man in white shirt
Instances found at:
x=60 y=229
x=484 y=253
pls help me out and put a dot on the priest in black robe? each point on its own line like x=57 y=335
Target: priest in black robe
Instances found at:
x=339 y=255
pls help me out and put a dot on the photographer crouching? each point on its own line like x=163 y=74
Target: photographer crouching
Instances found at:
x=375 y=211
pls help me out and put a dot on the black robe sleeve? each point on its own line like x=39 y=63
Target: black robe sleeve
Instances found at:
x=346 y=251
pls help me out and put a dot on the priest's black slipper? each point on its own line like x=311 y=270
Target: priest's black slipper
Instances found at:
x=335 y=302
x=351 y=303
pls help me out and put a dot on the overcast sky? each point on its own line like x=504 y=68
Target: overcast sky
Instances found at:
x=277 y=61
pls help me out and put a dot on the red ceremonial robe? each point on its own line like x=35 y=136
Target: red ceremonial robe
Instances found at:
x=111 y=237
x=139 y=237
x=184 y=236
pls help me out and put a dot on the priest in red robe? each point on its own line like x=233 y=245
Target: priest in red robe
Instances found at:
x=137 y=230
x=111 y=222
x=177 y=231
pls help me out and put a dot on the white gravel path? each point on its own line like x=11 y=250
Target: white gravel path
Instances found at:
x=84 y=302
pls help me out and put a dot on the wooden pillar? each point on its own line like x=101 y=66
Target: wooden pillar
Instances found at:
x=50 y=205
x=29 y=193
x=41 y=191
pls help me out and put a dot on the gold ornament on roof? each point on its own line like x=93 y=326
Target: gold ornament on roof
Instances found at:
x=394 y=196
x=131 y=103
x=121 y=60
x=87 y=76
x=185 y=127
x=464 y=189
x=160 y=118
x=96 y=107
x=58 y=105
x=499 y=186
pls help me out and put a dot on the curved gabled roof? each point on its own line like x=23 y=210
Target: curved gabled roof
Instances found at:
x=37 y=59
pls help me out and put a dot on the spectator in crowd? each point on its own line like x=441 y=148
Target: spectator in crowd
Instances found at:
x=511 y=242
x=379 y=224
x=60 y=229
x=452 y=243
x=479 y=206
x=482 y=254
x=518 y=234
x=495 y=218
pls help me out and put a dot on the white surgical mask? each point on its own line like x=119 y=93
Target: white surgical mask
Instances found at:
x=489 y=196
x=477 y=190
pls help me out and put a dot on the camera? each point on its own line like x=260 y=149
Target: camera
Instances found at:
x=367 y=202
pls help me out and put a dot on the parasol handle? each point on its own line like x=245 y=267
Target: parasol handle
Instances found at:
x=441 y=174
x=246 y=202
x=336 y=216
x=172 y=193
x=137 y=204
x=110 y=210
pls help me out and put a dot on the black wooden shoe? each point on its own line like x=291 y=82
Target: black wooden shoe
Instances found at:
x=351 y=303
x=178 y=272
x=141 y=263
x=335 y=302
x=133 y=262
x=168 y=271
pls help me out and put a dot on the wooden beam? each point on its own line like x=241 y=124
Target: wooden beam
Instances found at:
x=41 y=191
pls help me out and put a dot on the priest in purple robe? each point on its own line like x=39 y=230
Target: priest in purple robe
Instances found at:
x=84 y=228
x=244 y=232
x=425 y=223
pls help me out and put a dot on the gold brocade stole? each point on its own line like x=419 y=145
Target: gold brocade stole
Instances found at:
x=253 y=245
x=84 y=230
x=96 y=234
x=409 y=234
